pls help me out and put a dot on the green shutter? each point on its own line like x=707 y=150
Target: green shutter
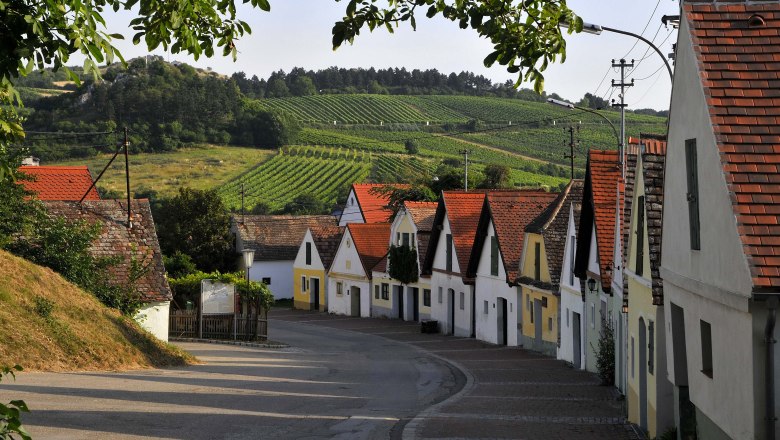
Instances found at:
x=693 y=192
x=449 y=252
x=640 y=236
x=537 y=261
x=493 y=256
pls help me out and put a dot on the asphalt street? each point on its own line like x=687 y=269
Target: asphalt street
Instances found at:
x=330 y=383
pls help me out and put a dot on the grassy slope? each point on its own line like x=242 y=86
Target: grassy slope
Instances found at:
x=80 y=333
x=200 y=168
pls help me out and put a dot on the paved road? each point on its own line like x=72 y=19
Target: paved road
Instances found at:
x=510 y=392
x=329 y=384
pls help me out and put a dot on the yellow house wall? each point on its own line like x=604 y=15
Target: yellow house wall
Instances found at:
x=302 y=298
x=551 y=311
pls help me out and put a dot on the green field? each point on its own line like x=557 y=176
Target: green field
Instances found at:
x=201 y=168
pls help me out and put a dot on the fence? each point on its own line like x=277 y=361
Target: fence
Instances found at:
x=241 y=327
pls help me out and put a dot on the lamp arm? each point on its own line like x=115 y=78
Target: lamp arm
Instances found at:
x=658 y=51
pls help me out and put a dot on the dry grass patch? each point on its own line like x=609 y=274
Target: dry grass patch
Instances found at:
x=49 y=324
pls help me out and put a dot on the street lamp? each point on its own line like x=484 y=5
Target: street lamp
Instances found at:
x=249 y=258
x=571 y=106
x=595 y=29
x=592 y=285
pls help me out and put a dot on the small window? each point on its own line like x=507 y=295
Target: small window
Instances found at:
x=376 y=291
x=441 y=295
x=640 y=236
x=571 y=259
x=485 y=307
x=510 y=307
x=339 y=288
x=528 y=301
x=530 y=310
x=449 y=253
x=427 y=297
x=266 y=281
x=397 y=238
x=414 y=243
x=537 y=261
x=303 y=284
x=351 y=201
x=650 y=346
x=405 y=239
x=308 y=253
x=692 y=174
x=385 y=291
x=462 y=301
x=706 y=348
x=592 y=316
x=549 y=324
x=493 y=256
x=348 y=263
x=633 y=359
x=567 y=318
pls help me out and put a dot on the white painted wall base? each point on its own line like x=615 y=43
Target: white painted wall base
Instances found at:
x=153 y=317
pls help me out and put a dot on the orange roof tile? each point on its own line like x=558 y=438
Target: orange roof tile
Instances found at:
x=739 y=65
x=511 y=212
x=59 y=183
x=371 y=242
x=463 y=210
x=422 y=214
x=373 y=206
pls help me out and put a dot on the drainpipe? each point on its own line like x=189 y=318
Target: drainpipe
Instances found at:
x=771 y=304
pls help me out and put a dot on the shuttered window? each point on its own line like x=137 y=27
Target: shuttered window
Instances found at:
x=692 y=173
x=572 y=254
x=405 y=239
x=493 y=256
x=650 y=347
x=640 y=236
x=537 y=261
x=449 y=252
x=308 y=253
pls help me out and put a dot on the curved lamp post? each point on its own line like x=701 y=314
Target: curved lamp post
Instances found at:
x=585 y=109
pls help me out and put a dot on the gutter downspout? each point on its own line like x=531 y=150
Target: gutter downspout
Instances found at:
x=771 y=303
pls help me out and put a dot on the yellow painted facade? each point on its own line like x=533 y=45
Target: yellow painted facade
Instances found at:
x=530 y=293
x=302 y=298
x=641 y=309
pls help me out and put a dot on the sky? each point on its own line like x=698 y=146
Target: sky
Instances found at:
x=296 y=33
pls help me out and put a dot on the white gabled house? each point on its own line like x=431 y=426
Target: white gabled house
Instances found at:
x=720 y=252
x=310 y=269
x=447 y=261
x=573 y=331
x=362 y=246
x=495 y=261
x=411 y=227
x=366 y=204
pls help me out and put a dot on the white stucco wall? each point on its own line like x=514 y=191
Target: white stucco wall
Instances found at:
x=347 y=269
x=440 y=311
x=711 y=284
x=281 y=274
x=154 y=317
x=351 y=212
x=489 y=288
x=300 y=258
x=571 y=300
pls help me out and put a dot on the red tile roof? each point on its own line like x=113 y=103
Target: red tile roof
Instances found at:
x=276 y=237
x=373 y=205
x=326 y=240
x=117 y=241
x=463 y=210
x=59 y=183
x=511 y=212
x=371 y=242
x=422 y=214
x=739 y=65
x=604 y=178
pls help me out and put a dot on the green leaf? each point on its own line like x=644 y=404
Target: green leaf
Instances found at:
x=264 y=5
x=490 y=59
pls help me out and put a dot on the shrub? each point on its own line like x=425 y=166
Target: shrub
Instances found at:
x=43 y=306
x=605 y=355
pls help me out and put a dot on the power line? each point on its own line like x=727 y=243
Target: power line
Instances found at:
x=644 y=29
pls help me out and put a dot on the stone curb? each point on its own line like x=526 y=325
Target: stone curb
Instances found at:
x=225 y=342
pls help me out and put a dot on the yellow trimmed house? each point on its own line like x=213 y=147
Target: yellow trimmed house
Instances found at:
x=650 y=394
x=310 y=269
x=544 y=244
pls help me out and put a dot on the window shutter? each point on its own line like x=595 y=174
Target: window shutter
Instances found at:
x=693 y=192
x=537 y=261
x=640 y=236
x=405 y=239
x=572 y=254
x=308 y=253
x=493 y=256
x=449 y=252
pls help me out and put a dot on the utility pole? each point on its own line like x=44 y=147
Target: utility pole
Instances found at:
x=622 y=84
x=127 y=180
x=465 y=154
x=572 y=144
